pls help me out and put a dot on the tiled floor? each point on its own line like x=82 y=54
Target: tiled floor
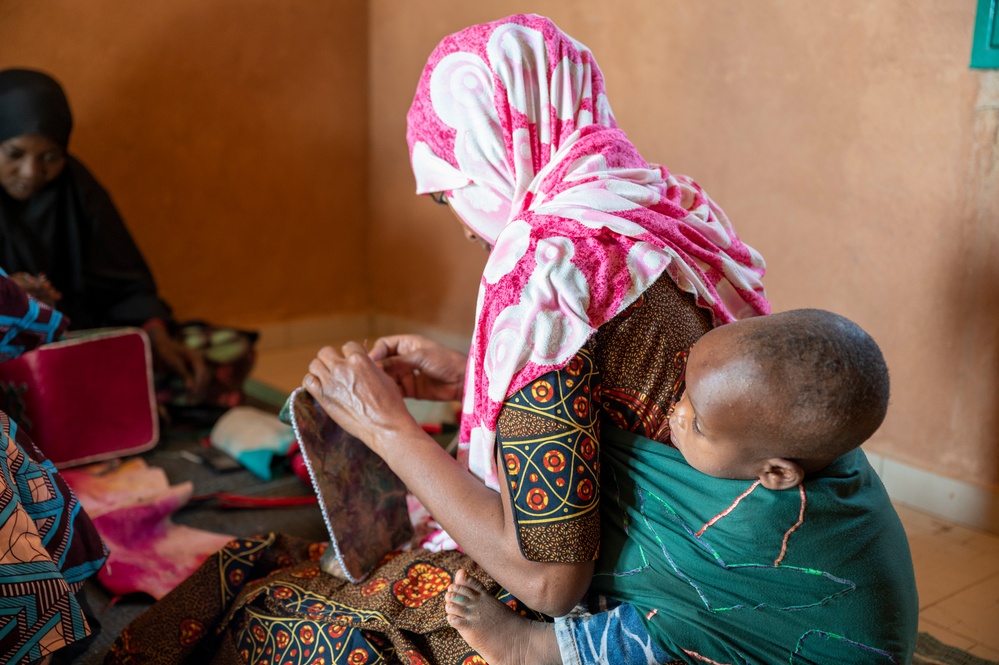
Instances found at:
x=957 y=569
x=957 y=574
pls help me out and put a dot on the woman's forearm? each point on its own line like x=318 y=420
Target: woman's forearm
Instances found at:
x=366 y=402
x=478 y=520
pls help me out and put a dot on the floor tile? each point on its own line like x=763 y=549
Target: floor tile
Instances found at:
x=983 y=651
x=973 y=613
x=947 y=637
x=948 y=558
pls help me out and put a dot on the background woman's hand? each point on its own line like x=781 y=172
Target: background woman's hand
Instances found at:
x=185 y=362
x=38 y=287
x=358 y=395
x=422 y=368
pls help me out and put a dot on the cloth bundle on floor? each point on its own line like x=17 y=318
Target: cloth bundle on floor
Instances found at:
x=131 y=505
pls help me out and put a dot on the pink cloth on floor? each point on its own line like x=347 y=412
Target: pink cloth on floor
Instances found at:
x=131 y=504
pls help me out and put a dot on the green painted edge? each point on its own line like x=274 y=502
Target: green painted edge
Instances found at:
x=983 y=54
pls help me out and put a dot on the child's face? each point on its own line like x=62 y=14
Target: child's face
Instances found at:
x=711 y=422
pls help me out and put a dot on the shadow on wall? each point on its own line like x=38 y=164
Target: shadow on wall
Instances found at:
x=234 y=143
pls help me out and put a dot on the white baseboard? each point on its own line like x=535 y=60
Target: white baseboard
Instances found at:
x=953 y=500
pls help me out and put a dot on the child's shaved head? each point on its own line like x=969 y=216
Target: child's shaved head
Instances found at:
x=780 y=396
x=827 y=376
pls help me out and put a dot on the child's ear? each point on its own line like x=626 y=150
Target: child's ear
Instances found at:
x=781 y=474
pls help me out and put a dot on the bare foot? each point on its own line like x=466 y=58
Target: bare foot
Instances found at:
x=496 y=632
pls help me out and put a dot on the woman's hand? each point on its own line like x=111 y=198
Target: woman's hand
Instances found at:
x=422 y=368
x=358 y=395
x=38 y=287
x=179 y=359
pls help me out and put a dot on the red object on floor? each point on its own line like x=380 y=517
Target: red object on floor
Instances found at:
x=298 y=463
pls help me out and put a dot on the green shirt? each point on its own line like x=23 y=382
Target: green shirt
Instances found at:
x=727 y=571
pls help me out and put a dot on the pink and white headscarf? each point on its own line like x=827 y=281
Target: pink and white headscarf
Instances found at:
x=511 y=120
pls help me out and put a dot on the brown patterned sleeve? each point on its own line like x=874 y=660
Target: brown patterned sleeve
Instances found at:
x=548 y=436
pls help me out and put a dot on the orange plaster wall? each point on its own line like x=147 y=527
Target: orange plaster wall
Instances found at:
x=232 y=136
x=841 y=138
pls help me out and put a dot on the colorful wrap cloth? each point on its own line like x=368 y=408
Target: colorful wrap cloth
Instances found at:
x=50 y=549
x=726 y=571
x=511 y=120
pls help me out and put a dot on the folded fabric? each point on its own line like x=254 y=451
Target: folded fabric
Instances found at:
x=253 y=437
x=131 y=505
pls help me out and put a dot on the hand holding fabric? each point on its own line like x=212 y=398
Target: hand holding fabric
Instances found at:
x=422 y=368
x=358 y=395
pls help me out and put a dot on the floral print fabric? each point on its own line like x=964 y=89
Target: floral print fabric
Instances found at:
x=266 y=600
x=629 y=376
x=511 y=120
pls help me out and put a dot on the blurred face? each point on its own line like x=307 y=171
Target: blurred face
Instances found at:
x=28 y=163
x=710 y=424
x=470 y=235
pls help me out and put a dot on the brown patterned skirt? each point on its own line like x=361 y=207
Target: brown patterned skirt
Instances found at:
x=265 y=600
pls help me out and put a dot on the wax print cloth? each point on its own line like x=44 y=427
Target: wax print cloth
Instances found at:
x=50 y=547
x=726 y=571
x=511 y=120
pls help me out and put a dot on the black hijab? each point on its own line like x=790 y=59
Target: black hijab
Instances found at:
x=70 y=230
x=33 y=103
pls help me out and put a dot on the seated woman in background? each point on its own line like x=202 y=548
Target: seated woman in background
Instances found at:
x=61 y=237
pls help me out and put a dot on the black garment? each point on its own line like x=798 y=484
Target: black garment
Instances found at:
x=33 y=103
x=70 y=230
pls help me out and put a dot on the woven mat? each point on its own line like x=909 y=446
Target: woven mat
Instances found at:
x=931 y=651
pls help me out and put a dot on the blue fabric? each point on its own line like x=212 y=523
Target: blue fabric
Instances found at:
x=25 y=323
x=617 y=636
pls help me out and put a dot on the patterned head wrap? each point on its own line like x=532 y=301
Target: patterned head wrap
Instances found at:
x=511 y=119
x=33 y=103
